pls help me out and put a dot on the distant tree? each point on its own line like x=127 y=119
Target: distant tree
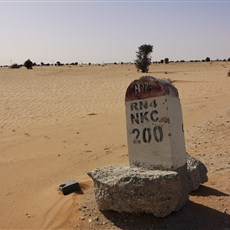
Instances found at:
x=166 y=60
x=28 y=64
x=228 y=59
x=207 y=59
x=58 y=63
x=143 y=58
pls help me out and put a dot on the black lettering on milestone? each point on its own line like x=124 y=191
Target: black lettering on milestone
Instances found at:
x=143 y=104
x=135 y=118
x=144 y=117
x=136 y=139
x=154 y=112
x=158 y=133
x=134 y=106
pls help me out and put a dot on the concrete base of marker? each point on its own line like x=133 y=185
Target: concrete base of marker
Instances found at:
x=184 y=186
x=136 y=190
x=139 y=190
x=197 y=173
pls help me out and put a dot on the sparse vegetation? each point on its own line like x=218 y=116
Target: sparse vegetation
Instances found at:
x=142 y=63
x=15 y=66
x=166 y=60
x=28 y=64
x=143 y=58
x=58 y=63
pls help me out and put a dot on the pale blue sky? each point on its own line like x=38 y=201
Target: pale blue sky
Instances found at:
x=100 y=32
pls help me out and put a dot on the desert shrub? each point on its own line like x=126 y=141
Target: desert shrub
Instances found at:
x=15 y=66
x=28 y=64
x=207 y=59
x=58 y=63
x=143 y=58
x=166 y=60
x=229 y=73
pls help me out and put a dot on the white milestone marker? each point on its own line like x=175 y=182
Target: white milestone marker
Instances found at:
x=154 y=125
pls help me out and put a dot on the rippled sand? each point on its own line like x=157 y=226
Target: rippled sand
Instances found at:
x=57 y=123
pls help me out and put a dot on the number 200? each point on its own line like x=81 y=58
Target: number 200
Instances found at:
x=146 y=135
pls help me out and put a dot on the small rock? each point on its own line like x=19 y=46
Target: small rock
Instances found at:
x=69 y=187
x=27 y=215
x=197 y=173
x=96 y=218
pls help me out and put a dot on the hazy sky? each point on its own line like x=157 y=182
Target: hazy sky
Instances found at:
x=112 y=31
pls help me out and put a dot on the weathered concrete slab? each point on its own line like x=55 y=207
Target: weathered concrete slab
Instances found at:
x=139 y=190
x=136 y=190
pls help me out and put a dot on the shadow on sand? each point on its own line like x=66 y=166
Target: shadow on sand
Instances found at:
x=207 y=191
x=192 y=216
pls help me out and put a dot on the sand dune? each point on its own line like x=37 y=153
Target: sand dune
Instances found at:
x=57 y=123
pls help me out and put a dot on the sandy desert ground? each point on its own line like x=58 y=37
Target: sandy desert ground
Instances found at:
x=58 y=123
